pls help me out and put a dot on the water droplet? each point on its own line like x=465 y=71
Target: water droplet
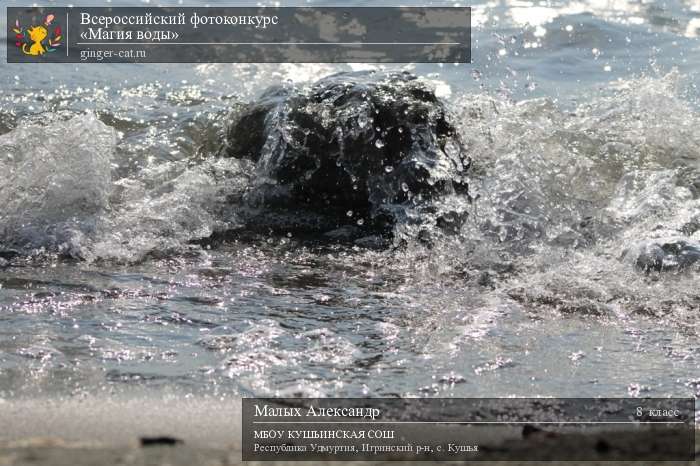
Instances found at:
x=452 y=150
x=349 y=213
x=360 y=221
x=400 y=129
x=388 y=169
x=404 y=187
x=362 y=121
x=379 y=143
x=502 y=233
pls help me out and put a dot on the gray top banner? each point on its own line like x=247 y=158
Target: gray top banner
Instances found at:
x=239 y=34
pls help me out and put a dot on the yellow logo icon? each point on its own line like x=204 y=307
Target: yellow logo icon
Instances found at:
x=35 y=40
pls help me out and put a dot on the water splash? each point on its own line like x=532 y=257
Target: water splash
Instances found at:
x=57 y=183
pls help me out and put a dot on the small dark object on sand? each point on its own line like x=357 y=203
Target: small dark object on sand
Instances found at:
x=528 y=430
x=602 y=446
x=160 y=441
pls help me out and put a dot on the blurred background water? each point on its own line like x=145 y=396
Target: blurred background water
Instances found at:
x=581 y=118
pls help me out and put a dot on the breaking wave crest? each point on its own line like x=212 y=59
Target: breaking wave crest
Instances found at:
x=63 y=196
x=57 y=184
x=571 y=198
x=566 y=194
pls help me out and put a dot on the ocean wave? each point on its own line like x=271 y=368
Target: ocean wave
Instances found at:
x=620 y=168
x=58 y=180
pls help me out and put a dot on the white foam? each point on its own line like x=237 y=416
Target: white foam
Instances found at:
x=56 y=183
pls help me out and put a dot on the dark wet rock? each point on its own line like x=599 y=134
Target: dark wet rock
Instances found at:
x=360 y=149
x=8 y=254
x=690 y=227
x=663 y=256
x=690 y=178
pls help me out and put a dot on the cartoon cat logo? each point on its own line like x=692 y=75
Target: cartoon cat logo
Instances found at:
x=31 y=41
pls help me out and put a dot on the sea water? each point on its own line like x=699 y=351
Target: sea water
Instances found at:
x=581 y=119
